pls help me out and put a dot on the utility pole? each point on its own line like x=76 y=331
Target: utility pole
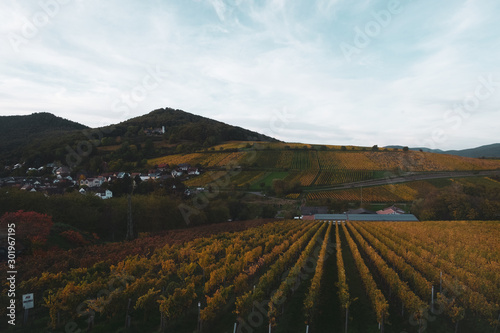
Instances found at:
x=361 y=196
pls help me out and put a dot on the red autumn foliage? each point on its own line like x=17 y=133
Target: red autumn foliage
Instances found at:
x=31 y=226
x=74 y=237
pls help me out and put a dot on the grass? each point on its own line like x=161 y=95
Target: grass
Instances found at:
x=267 y=179
x=440 y=182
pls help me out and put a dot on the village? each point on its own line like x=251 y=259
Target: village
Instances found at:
x=52 y=179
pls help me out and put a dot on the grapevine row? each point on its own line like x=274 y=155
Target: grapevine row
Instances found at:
x=407 y=297
x=420 y=284
x=344 y=296
x=242 y=281
x=294 y=277
x=461 y=249
x=311 y=300
x=273 y=274
x=377 y=298
x=431 y=266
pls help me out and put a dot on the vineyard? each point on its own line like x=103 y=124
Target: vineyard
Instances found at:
x=313 y=167
x=208 y=160
x=383 y=193
x=285 y=276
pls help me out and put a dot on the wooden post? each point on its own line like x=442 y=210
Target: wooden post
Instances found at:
x=199 y=316
x=90 y=323
x=127 y=317
x=441 y=282
x=346 y=318
x=25 y=319
x=253 y=304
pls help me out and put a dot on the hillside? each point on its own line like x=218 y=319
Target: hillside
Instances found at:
x=313 y=166
x=181 y=125
x=18 y=132
x=42 y=138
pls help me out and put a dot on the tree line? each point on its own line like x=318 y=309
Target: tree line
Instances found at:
x=150 y=212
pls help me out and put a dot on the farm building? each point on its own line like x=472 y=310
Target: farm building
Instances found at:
x=367 y=217
x=391 y=210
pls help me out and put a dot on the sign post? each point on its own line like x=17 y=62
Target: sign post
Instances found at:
x=28 y=303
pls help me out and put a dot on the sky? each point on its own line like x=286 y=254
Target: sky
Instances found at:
x=415 y=73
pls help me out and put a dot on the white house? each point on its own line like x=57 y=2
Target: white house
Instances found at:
x=104 y=194
x=193 y=171
x=184 y=166
x=176 y=173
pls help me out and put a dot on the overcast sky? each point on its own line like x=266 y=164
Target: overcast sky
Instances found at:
x=415 y=73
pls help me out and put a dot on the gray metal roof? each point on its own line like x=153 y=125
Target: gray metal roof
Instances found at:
x=367 y=217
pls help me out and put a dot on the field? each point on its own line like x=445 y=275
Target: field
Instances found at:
x=441 y=276
x=406 y=192
x=317 y=167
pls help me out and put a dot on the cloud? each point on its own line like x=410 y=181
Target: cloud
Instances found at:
x=219 y=8
x=243 y=61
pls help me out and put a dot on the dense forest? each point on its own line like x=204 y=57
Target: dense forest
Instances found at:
x=28 y=138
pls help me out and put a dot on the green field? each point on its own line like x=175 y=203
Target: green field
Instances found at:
x=267 y=179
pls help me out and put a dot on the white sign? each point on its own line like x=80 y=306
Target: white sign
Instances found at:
x=28 y=301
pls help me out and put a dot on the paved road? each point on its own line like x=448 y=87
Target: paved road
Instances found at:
x=409 y=178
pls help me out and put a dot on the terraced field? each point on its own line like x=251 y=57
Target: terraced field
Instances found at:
x=324 y=167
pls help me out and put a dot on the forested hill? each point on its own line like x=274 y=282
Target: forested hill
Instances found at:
x=22 y=128
x=181 y=125
x=18 y=131
x=41 y=138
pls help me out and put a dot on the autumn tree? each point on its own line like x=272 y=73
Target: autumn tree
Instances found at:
x=31 y=228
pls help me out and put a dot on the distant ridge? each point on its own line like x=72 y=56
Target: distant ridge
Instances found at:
x=492 y=150
x=18 y=131
x=487 y=151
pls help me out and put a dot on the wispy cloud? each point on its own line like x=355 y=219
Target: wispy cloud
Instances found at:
x=243 y=61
